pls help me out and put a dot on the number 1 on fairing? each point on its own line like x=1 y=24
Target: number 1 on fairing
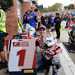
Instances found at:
x=21 y=53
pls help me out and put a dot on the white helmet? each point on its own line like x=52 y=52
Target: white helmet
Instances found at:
x=50 y=41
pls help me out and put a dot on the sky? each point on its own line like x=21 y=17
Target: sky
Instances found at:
x=47 y=3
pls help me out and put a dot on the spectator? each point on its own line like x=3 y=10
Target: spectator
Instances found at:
x=51 y=20
x=25 y=20
x=39 y=46
x=43 y=20
x=32 y=19
x=2 y=36
x=57 y=21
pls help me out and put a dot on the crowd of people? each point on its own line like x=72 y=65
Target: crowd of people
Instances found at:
x=31 y=20
x=50 y=21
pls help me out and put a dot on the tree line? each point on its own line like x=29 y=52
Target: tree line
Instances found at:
x=57 y=7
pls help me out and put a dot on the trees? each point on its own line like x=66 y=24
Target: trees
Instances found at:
x=55 y=7
x=70 y=6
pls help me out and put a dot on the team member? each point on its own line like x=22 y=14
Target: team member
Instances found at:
x=57 y=21
x=2 y=35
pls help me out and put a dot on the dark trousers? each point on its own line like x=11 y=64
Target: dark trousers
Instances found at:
x=57 y=28
x=48 y=64
x=16 y=73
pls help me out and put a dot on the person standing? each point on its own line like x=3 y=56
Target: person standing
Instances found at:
x=39 y=47
x=32 y=18
x=57 y=21
x=43 y=20
x=3 y=34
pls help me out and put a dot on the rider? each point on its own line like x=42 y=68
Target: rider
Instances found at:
x=50 y=55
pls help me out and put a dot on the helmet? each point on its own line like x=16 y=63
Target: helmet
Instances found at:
x=50 y=41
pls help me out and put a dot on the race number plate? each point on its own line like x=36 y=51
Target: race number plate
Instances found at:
x=22 y=54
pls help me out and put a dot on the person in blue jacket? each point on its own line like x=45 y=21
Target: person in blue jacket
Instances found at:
x=32 y=19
